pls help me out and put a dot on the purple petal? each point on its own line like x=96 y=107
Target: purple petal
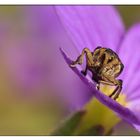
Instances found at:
x=92 y=26
x=124 y=112
x=130 y=55
x=134 y=106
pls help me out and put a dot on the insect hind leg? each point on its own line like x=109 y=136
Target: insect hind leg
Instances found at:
x=112 y=82
x=117 y=91
x=119 y=87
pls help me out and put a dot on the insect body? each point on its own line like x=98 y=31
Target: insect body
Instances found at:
x=105 y=66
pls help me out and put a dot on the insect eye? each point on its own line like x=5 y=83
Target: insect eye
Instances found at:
x=110 y=59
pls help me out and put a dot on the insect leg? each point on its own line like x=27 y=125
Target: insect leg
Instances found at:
x=114 y=92
x=84 y=72
x=119 y=90
x=113 y=82
x=110 y=84
x=80 y=58
x=117 y=93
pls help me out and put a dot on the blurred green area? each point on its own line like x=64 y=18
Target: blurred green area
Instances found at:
x=39 y=114
x=130 y=14
x=99 y=116
x=22 y=114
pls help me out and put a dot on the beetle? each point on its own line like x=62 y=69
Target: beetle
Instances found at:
x=105 y=66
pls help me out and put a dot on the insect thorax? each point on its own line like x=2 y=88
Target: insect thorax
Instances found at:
x=106 y=61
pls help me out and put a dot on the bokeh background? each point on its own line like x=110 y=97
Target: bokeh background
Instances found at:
x=28 y=104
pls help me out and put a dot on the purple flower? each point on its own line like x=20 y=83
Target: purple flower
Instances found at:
x=92 y=26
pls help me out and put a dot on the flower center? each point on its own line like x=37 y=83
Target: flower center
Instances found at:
x=107 y=90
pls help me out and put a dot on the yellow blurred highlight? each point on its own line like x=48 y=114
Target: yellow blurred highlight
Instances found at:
x=98 y=114
x=107 y=90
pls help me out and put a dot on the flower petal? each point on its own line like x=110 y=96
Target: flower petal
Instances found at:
x=134 y=106
x=92 y=26
x=129 y=53
x=124 y=112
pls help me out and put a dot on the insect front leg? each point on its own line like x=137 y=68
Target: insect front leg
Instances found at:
x=80 y=59
x=84 y=72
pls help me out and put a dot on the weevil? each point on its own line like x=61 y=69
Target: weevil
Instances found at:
x=105 y=66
